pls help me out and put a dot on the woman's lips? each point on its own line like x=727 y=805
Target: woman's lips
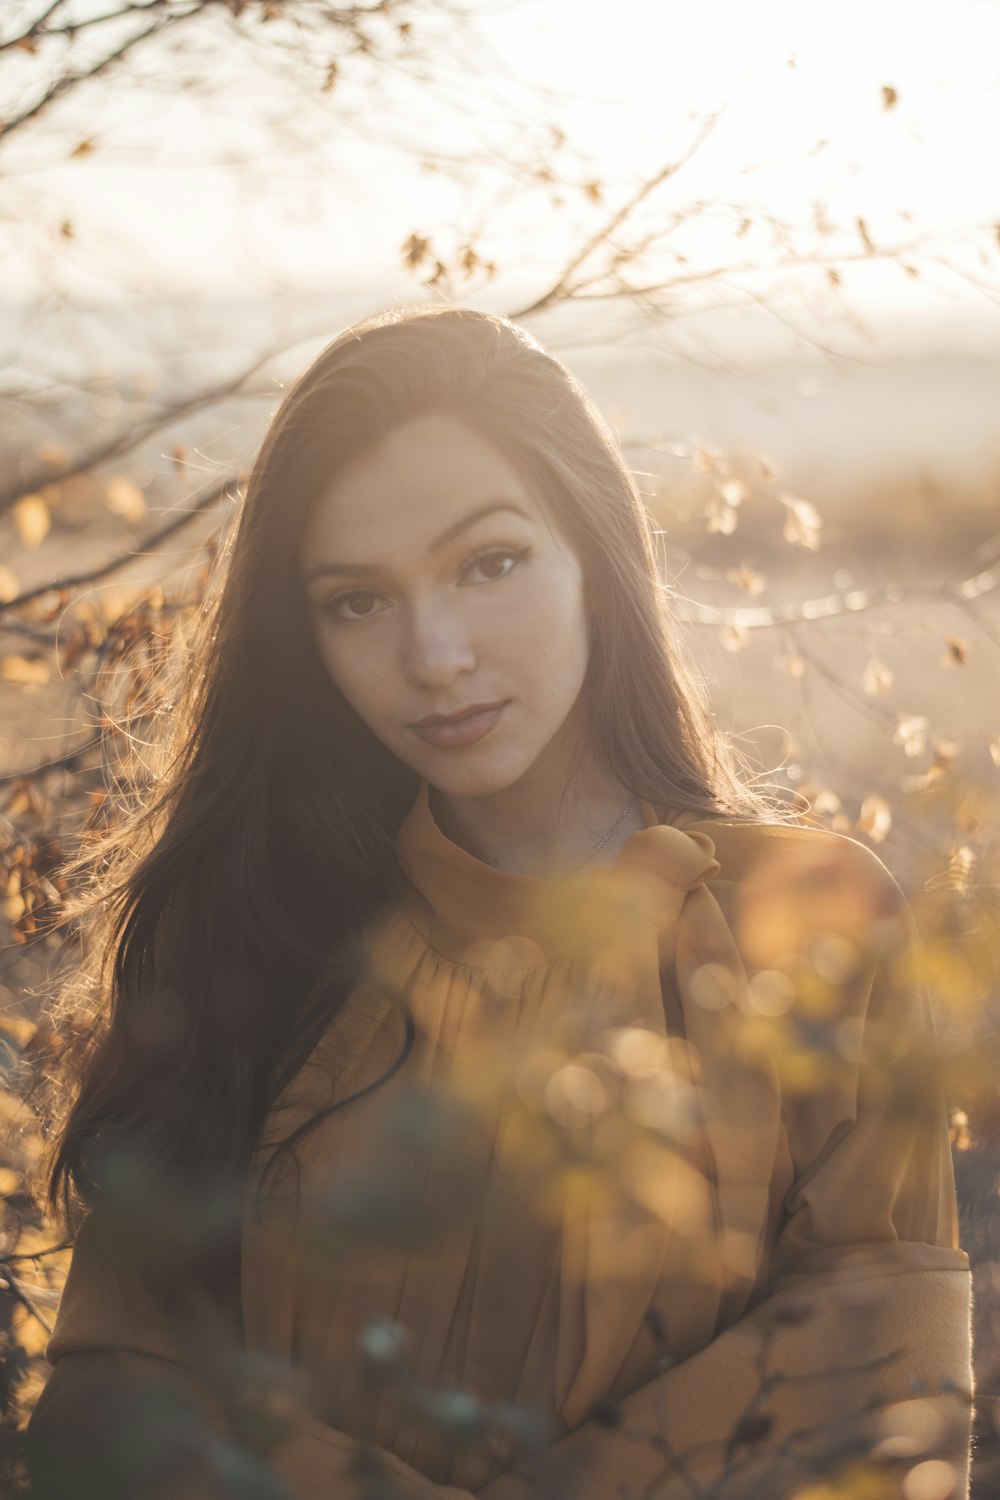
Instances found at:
x=462 y=731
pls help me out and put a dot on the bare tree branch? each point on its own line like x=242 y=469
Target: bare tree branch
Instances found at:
x=71 y=80
x=561 y=285
x=148 y=544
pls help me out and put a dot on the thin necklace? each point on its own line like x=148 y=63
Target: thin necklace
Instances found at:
x=602 y=841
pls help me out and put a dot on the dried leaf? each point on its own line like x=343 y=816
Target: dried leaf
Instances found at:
x=9 y=586
x=53 y=453
x=803 y=522
x=31 y=520
x=721 y=517
x=957 y=652
x=703 y=462
x=875 y=818
x=746 y=579
x=877 y=677
x=84 y=148
x=733 y=491
x=945 y=752
x=866 y=238
x=416 y=250
x=125 y=498
x=25 y=671
x=961 y=865
x=889 y=96
x=19 y=1028
x=10 y=1181
x=911 y=733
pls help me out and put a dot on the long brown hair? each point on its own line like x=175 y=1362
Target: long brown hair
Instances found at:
x=226 y=911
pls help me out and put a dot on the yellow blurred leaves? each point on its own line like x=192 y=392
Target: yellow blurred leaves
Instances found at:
x=31 y=520
x=13 y=903
x=796 y=893
x=9 y=586
x=11 y=1181
x=856 y=1481
x=124 y=497
x=24 y=671
x=54 y=454
x=958 y=874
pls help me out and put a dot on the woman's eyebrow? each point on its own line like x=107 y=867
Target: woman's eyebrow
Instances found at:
x=492 y=507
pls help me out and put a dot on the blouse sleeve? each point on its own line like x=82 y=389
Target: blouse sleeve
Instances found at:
x=865 y=1304
x=126 y=1412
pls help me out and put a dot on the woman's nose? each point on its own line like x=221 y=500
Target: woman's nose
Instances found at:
x=438 y=647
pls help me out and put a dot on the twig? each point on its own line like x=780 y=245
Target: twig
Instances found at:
x=149 y=543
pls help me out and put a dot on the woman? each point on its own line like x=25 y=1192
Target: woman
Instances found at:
x=488 y=1090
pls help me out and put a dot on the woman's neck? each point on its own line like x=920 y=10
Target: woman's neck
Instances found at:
x=534 y=830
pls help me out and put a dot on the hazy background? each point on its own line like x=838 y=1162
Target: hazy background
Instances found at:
x=766 y=239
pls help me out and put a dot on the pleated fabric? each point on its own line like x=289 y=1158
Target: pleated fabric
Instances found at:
x=579 y=1169
x=644 y=1106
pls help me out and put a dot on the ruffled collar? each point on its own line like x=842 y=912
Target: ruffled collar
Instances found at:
x=458 y=902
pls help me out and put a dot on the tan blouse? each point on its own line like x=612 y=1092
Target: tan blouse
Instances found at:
x=670 y=1135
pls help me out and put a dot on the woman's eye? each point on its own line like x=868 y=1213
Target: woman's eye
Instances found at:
x=494 y=564
x=497 y=562
x=355 y=601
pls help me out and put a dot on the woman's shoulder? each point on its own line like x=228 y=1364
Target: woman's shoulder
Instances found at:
x=777 y=853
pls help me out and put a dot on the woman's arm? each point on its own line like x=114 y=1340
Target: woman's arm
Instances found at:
x=678 y=1427
x=115 y=1425
x=867 y=1303
x=127 y=1414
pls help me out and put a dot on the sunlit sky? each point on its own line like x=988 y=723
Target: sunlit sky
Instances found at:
x=317 y=204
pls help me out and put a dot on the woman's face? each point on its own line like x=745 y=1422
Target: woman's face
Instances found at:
x=435 y=584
